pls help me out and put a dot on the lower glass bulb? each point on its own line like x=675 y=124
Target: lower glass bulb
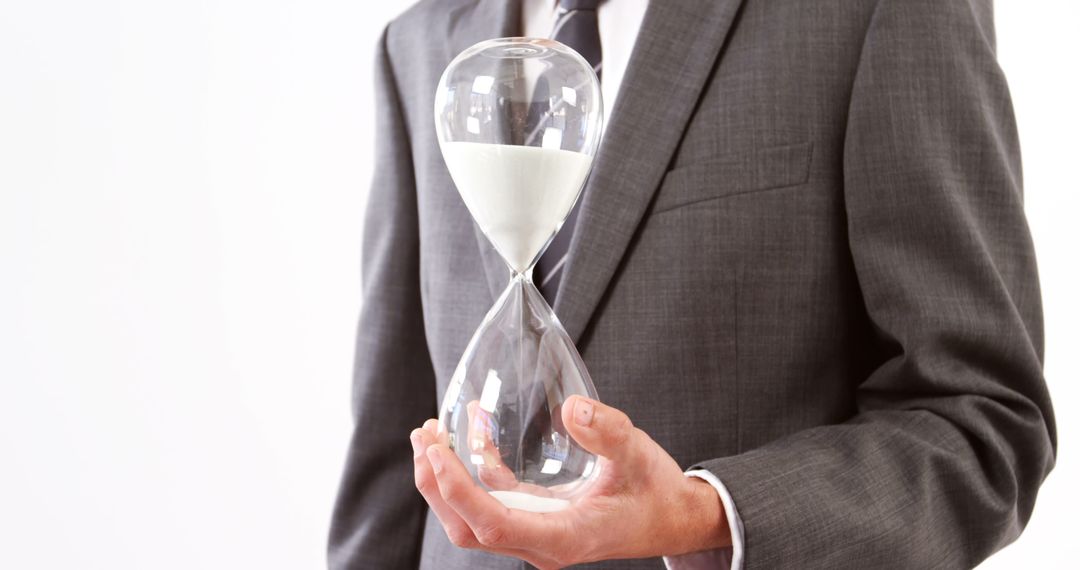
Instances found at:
x=502 y=413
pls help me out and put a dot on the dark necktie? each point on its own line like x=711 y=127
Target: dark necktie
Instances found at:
x=575 y=26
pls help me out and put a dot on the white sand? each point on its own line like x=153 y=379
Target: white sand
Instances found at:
x=527 y=502
x=519 y=195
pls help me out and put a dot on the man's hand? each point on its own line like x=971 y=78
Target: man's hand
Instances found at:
x=641 y=506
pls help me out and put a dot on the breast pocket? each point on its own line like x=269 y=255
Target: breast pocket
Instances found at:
x=733 y=173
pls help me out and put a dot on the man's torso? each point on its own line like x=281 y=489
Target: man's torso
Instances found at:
x=729 y=319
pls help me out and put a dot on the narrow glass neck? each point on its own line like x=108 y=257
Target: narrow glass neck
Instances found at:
x=525 y=276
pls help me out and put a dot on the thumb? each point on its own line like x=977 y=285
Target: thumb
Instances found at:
x=601 y=429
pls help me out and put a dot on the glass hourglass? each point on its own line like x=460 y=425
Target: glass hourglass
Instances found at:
x=519 y=121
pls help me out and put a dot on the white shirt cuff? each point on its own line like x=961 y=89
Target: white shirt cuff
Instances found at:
x=720 y=558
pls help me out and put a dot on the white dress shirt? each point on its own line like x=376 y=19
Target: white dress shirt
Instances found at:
x=619 y=22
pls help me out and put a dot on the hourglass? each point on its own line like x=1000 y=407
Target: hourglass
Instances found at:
x=518 y=122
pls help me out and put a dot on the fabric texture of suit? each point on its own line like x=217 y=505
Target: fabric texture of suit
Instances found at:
x=802 y=263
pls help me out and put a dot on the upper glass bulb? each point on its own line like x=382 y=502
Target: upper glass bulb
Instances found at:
x=519 y=121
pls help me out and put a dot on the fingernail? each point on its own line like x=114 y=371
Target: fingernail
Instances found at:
x=583 y=412
x=435 y=459
x=416 y=445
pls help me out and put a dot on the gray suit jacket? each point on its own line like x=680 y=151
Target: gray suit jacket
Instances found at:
x=802 y=264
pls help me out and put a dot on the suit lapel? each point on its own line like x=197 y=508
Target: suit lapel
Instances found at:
x=473 y=22
x=672 y=60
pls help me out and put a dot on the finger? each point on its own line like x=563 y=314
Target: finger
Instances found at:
x=602 y=429
x=483 y=453
x=432 y=426
x=499 y=476
x=492 y=523
x=437 y=430
x=457 y=530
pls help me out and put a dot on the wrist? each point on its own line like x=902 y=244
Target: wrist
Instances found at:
x=705 y=519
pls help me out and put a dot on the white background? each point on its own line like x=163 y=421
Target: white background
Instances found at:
x=181 y=190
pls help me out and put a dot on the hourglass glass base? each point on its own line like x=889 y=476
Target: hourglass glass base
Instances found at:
x=502 y=412
x=527 y=502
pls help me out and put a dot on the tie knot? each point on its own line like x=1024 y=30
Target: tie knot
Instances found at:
x=570 y=5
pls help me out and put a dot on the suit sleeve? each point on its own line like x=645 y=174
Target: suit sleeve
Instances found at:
x=378 y=518
x=954 y=430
